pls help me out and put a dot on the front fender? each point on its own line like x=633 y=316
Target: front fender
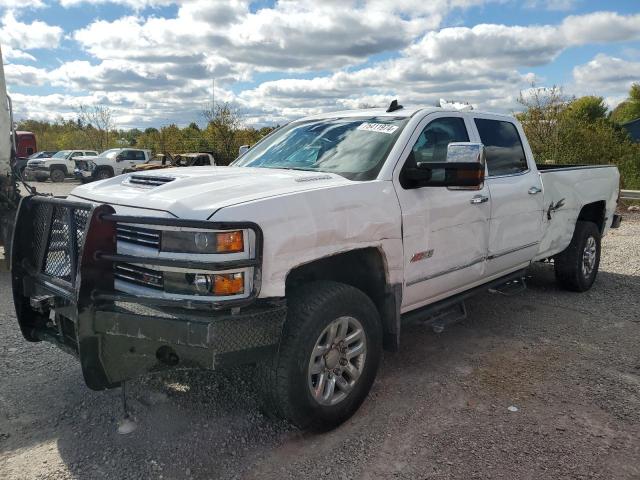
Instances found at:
x=302 y=227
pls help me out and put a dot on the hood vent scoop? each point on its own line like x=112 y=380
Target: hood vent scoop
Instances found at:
x=147 y=181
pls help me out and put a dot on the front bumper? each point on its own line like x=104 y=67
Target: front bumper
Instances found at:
x=63 y=286
x=36 y=172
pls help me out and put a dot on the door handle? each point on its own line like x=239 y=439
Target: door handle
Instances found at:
x=534 y=190
x=478 y=199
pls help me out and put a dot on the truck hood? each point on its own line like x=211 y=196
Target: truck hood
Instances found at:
x=198 y=192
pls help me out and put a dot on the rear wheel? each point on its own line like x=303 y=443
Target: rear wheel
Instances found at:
x=577 y=266
x=57 y=175
x=328 y=358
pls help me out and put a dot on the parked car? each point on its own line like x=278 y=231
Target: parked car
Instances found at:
x=21 y=163
x=56 y=167
x=110 y=163
x=180 y=160
x=308 y=254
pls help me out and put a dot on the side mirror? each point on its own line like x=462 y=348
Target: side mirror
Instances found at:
x=464 y=169
x=243 y=149
x=119 y=158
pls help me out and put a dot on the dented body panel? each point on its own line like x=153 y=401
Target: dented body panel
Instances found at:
x=118 y=313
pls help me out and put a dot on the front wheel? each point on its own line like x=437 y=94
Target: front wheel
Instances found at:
x=328 y=358
x=57 y=175
x=103 y=174
x=577 y=266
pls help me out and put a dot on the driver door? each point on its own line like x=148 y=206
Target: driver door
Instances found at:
x=445 y=230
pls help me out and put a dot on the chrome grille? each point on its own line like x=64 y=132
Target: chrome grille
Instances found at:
x=138 y=235
x=138 y=275
x=148 y=181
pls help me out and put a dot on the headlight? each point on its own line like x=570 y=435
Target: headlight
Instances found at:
x=202 y=242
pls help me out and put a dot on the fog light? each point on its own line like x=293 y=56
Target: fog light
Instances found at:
x=228 y=284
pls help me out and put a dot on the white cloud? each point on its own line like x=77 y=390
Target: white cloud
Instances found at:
x=9 y=53
x=154 y=70
x=16 y=4
x=135 y=4
x=605 y=75
x=24 y=75
x=21 y=35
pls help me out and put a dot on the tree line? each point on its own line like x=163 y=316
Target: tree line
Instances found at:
x=95 y=129
x=568 y=130
x=561 y=129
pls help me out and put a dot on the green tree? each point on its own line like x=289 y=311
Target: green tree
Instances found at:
x=630 y=108
x=588 y=109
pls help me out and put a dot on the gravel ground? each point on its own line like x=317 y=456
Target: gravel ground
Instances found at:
x=440 y=408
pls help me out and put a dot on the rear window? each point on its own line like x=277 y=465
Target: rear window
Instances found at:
x=505 y=154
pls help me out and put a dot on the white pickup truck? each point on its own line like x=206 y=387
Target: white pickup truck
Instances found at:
x=58 y=167
x=306 y=255
x=109 y=163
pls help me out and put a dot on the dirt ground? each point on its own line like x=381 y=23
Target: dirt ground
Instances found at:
x=440 y=408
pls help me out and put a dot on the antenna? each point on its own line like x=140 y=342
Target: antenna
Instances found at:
x=394 y=106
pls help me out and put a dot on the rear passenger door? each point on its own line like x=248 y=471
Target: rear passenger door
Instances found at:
x=515 y=227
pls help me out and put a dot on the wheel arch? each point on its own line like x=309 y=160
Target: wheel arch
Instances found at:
x=58 y=166
x=365 y=269
x=594 y=212
x=105 y=167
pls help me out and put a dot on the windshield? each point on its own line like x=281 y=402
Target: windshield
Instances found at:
x=109 y=153
x=352 y=147
x=62 y=154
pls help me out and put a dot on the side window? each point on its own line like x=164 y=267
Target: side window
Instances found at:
x=433 y=141
x=505 y=154
x=127 y=155
x=139 y=155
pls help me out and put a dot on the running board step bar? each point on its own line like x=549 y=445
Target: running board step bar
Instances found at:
x=510 y=288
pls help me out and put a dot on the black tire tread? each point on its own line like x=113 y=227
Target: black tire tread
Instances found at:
x=567 y=263
x=273 y=375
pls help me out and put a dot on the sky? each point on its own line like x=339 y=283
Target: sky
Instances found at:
x=157 y=62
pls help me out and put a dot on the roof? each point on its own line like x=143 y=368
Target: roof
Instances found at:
x=402 y=113
x=631 y=122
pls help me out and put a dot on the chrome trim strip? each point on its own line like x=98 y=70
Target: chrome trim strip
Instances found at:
x=524 y=172
x=511 y=250
x=444 y=272
x=470 y=264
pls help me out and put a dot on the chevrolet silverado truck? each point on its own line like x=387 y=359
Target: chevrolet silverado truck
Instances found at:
x=307 y=255
x=109 y=163
x=57 y=167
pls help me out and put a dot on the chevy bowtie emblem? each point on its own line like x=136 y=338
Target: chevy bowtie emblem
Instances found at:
x=422 y=256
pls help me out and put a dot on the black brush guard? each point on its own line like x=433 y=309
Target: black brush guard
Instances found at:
x=62 y=267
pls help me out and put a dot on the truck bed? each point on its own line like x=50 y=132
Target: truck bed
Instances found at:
x=569 y=190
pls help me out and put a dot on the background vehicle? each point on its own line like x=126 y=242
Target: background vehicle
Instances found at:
x=308 y=254
x=21 y=163
x=180 y=160
x=9 y=193
x=161 y=160
x=25 y=144
x=110 y=163
x=57 y=167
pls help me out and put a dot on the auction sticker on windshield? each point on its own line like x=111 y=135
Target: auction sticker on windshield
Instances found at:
x=377 y=127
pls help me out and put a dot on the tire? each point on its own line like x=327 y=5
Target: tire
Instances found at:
x=57 y=175
x=103 y=174
x=577 y=266
x=287 y=382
